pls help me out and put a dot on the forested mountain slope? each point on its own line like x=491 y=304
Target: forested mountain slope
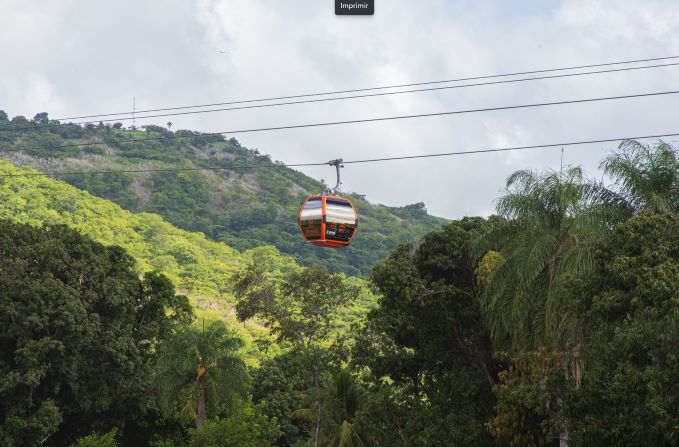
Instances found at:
x=199 y=268
x=245 y=208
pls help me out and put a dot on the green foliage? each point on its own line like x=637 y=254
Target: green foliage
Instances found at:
x=79 y=329
x=529 y=409
x=96 y=440
x=541 y=300
x=393 y=415
x=426 y=348
x=552 y=222
x=630 y=359
x=246 y=427
x=647 y=177
x=198 y=267
x=198 y=370
x=182 y=198
x=44 y=419
x=430 y=299
x=300 y=311
x=348 y=397
x=279 y=387
x=629 y=388
x=108 y=186
x=332 y=414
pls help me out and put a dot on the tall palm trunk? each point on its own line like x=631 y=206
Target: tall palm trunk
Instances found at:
x=318 y=426
x=318 y=412
x=563 y=438
x=200 y=420
x=572 y=368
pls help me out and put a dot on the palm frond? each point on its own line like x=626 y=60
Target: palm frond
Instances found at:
x=646 y=176
x=346 y=435
x=553 y=220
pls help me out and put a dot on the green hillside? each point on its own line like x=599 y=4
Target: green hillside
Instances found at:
x=199 y=268
x=245 y=208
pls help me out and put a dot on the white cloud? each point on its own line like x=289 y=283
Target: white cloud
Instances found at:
x=71 y=58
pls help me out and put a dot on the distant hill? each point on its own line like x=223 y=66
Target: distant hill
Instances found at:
x=245 y=208
x=198 y=267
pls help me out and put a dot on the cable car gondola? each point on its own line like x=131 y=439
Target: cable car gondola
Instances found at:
x=328 y=220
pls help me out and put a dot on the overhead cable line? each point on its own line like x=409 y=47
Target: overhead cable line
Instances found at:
x=365 y=120
x=367 y=160
x=414 y=84
x=340 y=98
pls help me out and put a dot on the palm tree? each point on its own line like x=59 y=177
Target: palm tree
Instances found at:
x=346 y=396
x=199 y=369
x=551 y=222
x=648 y=178
x=347 y=393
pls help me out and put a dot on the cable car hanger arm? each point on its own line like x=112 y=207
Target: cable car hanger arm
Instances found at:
x=337 y=164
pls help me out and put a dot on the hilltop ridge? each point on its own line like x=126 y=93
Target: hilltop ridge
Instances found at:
x=245 y=208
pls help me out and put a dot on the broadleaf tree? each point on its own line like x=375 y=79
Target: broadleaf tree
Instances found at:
x=79 y=331
x=301 y=312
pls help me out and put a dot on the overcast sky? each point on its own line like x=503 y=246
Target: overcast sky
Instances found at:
x=72 y=57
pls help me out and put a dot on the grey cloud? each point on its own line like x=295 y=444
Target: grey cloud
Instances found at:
x=88 y=57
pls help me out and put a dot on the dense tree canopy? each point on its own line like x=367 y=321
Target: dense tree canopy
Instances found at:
x=630 y=394
x=245 y=426
x=280 y=386
x=200 y=268
x=427 y=335
x=302 y=313
x=568 y=378
x=555 y=322
x=78 y=331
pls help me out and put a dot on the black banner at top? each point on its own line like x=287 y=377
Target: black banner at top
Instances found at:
x=354 y=7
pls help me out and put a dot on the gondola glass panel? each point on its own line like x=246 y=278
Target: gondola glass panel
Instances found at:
x=340 y=220
x=311 y=219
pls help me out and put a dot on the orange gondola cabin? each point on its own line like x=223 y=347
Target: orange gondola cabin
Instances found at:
x=328 y=220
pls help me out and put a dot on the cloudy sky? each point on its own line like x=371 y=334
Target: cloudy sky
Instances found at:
x=72 y=58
